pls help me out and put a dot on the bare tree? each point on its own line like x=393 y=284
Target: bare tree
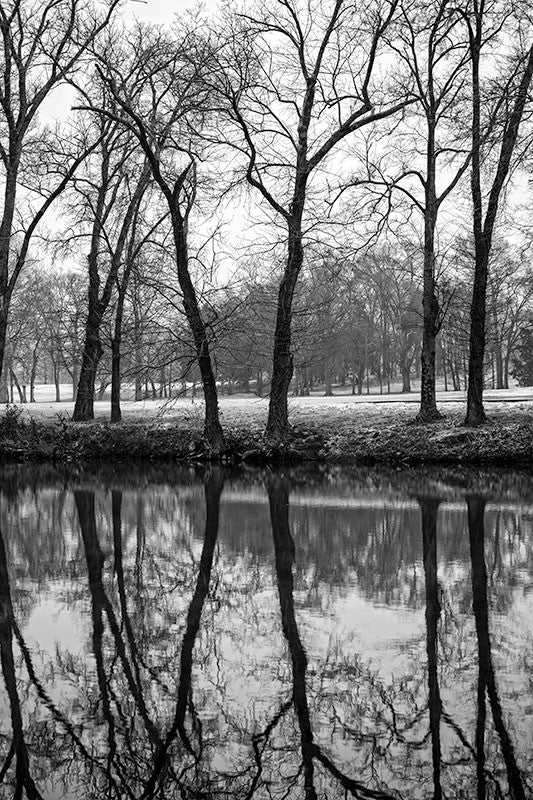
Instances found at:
x=162 y=97
x=509 y=96
x=298 y=79
x=139 y=236
x=111 y=192
x=42 y=43
x=433 y=47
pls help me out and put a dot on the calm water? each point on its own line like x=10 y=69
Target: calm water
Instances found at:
x=360 y=634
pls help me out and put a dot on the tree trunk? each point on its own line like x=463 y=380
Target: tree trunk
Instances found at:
x=6 y=228
x=456 y=376
x=4 y=391
x=282 y=361
x=56 y=383
x=428 y=411
x=116 y=414
x=33 y=374
x=19 y=389
x=305 y=382
x=259 y=388
x=405 y=366
x=75 y=380
x=483 y=229
x=328 y=392
x=92 y=353
x=498 y=363
x=475 y=412
x=92 y=349
x=213 y=435
x=506 y=369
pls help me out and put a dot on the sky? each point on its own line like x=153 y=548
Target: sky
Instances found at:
x=161 y=11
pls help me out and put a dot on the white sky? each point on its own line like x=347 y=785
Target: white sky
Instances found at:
x=161 y=11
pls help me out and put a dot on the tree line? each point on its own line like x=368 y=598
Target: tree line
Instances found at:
x=373 y=148
x=357 y=329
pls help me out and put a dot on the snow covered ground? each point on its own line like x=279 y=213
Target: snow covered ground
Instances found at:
x=246 y=407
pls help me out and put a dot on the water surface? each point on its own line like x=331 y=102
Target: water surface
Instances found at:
x=172 y=634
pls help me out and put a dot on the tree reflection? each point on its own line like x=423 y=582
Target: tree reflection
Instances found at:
x=179 y=688
x=486 y=676
x=214 y=484
x=429 y=507
x=278 y=498
x=18 y=749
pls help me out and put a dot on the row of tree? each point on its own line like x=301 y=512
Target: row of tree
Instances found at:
x=358 y=326
x=342 y=122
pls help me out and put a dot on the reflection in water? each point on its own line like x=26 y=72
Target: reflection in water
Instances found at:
x=486 y=679
x=256 y=637
x=429 y=507
x=278 y=498
x=213 y=489
x=17 y=749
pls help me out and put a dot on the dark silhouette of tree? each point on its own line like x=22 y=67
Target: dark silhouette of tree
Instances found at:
x=290 y=108
x=512 y=96
x=429 y=507
x=42 y=46
x=162 y=98
x=214 y=483
x=487 y=679
x=18 y=750
x=111 y=195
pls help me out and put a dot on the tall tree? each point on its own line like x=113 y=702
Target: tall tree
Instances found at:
x=304 y=78
x=42 y=44
x=432 y=45
x=111 y=192
x=509 y=95
x=162 y=97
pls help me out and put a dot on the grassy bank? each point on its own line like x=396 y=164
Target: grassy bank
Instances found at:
x=357 y=434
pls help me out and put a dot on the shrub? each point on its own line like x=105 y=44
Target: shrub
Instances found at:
x=11 y=422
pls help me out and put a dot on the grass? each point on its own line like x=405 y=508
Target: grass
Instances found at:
x=341 y=430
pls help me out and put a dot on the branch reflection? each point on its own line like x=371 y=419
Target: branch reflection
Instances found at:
x=278 y=497
x=429 y=507
x=486 y=675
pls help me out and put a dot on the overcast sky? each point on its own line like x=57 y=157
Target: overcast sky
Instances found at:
x=160 y=11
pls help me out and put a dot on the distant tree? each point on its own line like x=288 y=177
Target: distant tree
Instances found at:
x=522 y=359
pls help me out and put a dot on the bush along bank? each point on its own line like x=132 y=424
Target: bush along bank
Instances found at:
x=361 y=439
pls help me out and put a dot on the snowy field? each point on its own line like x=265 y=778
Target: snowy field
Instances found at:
x=237 y=409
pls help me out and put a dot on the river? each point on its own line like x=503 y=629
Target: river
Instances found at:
x=172 y=633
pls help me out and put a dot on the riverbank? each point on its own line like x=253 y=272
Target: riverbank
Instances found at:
x=323 y=430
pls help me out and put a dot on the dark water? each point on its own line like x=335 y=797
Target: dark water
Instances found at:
x=360 y=634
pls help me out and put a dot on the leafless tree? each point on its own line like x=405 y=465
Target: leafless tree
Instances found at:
x=162 y=97
x=431 y=43
x=298 y=78
x=507 y=98
x=111 y=191
x=42 y=43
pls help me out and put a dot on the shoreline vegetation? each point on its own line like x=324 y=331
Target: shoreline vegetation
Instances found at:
x=350 y=433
